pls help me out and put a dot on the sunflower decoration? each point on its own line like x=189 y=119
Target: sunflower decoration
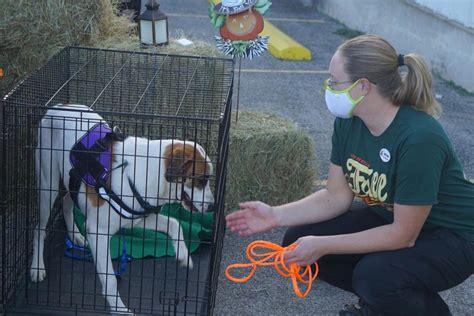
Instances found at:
x=239 y=23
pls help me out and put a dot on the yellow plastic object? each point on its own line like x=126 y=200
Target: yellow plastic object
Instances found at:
x=280 y=44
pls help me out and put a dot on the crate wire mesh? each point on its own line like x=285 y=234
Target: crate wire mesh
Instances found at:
x=147 y=95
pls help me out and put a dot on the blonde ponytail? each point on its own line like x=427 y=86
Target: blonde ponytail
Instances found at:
x=373 y=58
x=416 y=87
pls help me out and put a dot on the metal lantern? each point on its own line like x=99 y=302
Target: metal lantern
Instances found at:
x=153 y=25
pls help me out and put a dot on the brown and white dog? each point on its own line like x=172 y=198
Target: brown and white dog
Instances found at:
x=164 y=171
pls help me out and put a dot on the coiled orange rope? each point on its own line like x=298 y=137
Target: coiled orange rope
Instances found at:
x=276 y=253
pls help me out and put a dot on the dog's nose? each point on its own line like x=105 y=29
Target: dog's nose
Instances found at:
x=210 y=207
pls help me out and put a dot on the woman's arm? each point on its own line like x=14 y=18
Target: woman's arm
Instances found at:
x=320 y=206
x=402 y=233
x=257 y=217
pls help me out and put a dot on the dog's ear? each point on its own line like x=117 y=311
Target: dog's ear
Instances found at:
x=182 y=160
x=177 y=169
x=177 y=162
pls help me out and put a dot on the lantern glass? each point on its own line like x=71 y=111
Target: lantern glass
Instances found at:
x=161 y=32
x=153 y=25
x=146 y=32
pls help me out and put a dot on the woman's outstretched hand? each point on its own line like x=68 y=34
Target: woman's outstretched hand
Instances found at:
x=252 y=218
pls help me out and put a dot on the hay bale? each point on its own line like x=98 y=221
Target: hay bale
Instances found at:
x=33 y=31
x=132 y=43
x=270 y=159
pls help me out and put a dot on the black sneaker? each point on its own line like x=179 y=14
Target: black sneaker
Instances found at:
x=357 y=309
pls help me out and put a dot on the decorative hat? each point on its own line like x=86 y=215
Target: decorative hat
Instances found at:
x=228 y=7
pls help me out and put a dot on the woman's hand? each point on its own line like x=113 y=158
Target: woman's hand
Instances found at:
x=308 y=250
x=252 y=218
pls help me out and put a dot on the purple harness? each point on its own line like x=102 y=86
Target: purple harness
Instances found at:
x=91 y=161
x=91 y=156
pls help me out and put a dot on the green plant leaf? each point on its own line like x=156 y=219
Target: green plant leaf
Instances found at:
x=217 y=20
x=220 y=21
x=211 y=11
x=262 y=6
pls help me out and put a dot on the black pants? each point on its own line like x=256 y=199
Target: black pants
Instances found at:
x=399 y=282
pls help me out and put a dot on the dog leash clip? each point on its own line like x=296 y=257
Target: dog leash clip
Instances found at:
x=84 y=254
x=124 y=259
x=76 y=252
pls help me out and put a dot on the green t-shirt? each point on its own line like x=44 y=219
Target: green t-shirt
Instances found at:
x=411 y=163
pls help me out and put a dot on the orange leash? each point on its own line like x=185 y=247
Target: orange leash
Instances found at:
x=276 y=253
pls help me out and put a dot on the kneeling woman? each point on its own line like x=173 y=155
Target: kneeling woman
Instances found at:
x=414 y=237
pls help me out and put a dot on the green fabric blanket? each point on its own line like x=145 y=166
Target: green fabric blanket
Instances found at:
x=142 y=243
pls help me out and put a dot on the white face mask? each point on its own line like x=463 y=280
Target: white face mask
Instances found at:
x=340 y=103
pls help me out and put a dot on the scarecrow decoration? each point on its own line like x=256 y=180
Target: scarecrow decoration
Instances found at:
x=239 y=23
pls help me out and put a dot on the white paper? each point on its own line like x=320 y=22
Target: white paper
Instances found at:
x=184 y=42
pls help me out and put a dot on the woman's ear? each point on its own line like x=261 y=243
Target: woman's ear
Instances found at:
x=361 y=89
x=365 y=86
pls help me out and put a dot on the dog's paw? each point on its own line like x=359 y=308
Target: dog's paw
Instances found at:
x=37 y=274
x=190 y=264
x=118 y=307
x=185 y=262
x=122 y=311
x=79 y=240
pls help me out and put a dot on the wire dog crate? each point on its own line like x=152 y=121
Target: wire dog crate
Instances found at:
x=150 y=98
